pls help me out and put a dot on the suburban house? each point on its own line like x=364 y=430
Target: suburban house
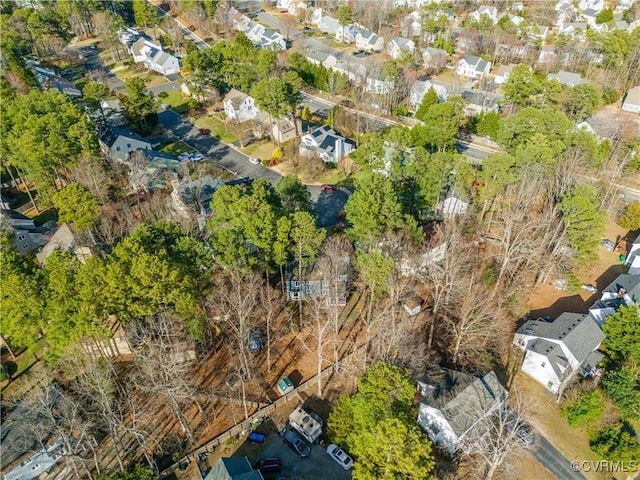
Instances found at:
x=63 y=86
x=233 y=468
x=478 y=101
x=434 y=57
x=471 y=66
x=631 y=102
x=26 y=236
x=452 y=206
x=555 y=351
x=151 y=173
x=239 y=106
x=454 y=405
x=411 y=25
x=502 y=75
x=293 y=7
x=367 y=40
x=568 y=78
x=112 y=111
x=573 y=29
x=633 y=257
x=346 y=33
x=624 y=290
x=316 y=57
x=419 y=90
x=240 y=21
x=491 y=12
x=327 y=24
x=376 y=83
x=589 y=16
x=281 y=130
x=325 y=143
x=119 y=143
x=597 y=5
x=547 y=54
x=64 y=240
x=265 y=37
x=153 y=57
x=399 y=46
x=194 y=196
x=327 y=286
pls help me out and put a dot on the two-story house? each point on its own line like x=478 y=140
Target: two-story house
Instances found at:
x=623 y=291
x=119 y=143
x=369 y=41
x=488 y=11
x=239 y=106
x=399 y=46
x=419 y=89
x=27 y=237
x=633 y=256
x=569 y=79
x=454 y=407
x=471 y=66
x=325 y=143
x=153 y=57
x=555 y=351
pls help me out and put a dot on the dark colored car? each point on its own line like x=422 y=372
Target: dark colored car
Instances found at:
x=268 y=465
x=328 y=188
x=204 y=131
x=296 y=444
x=254 y=341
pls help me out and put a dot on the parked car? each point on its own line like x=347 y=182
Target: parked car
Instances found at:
x=268 y=465
x=328 y=188
x=589 y=288
x=342 y=459
x=204 y=131
x=296 y=444
x=255 y=437
x=196 y=157
x=254 y=341
x=254 y=160
x=184 y=156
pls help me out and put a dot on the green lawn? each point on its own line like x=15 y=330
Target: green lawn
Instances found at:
x=335 y=176
x=177 y=100
x=217 y=128
x=150 y=78
x=174 y=148
x=261 y=149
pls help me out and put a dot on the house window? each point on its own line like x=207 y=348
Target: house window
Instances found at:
x=128 y=145
x=543 y=364
x=117 y=149
x=550 y=385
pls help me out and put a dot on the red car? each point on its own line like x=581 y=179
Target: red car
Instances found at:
x=328 y=188
x=204 y=131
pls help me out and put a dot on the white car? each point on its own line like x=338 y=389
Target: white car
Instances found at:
x=196 y=157
x=184 y=156
x=344 y=460
x=254 y=160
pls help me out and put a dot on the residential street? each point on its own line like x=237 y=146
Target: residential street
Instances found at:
x=328 y=204
x=551 y=458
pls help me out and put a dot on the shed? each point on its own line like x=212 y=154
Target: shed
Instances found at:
x=413 y=306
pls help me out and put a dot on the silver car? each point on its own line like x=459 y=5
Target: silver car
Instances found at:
x=341 y=458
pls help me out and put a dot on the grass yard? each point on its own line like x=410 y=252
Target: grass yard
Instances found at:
x=177 y=100
x=261 y=149
x=175 y=148
x=217 y=127
x=151 y=79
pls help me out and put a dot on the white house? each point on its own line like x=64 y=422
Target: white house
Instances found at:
x=154 y=57
x=318 y=57
x=434 y=57
x=329 y=25
x=239 y=106
x=367 y=40
x=489 y=11
x=119 y=143
x=399 y=46
x=272 y=40
x=502 y=75
x=568 y=78
x=631 y=102
x=325 y=143
x=419 y=90
x=623 y=291
x=473 y=67
x=633 y=257
x=597 y=5
x=346 y=33
x=411 y=25
x=454 y=407
x=293 y=7
x=555 y=351
x=576 y=29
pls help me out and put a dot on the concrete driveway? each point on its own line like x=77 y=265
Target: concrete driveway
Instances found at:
x=318 y=465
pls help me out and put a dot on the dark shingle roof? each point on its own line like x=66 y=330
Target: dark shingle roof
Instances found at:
x=630 y=283
x=578 y=332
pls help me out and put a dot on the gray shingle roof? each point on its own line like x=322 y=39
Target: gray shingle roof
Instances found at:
x=630 y=283
x=462 y=398
x=578 y=332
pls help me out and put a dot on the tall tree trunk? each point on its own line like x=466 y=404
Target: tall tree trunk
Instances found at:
x=26 y=188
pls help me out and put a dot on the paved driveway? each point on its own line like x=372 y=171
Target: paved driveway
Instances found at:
x=318 y=465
